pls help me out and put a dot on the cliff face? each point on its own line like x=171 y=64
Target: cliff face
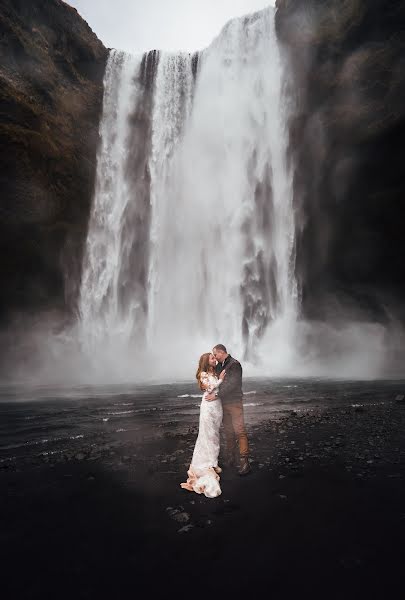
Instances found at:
x=51 y=72
x=347 y=142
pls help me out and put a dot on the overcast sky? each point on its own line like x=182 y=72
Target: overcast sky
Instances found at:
x=139 y=25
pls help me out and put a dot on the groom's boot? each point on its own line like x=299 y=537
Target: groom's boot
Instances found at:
x=244 y=466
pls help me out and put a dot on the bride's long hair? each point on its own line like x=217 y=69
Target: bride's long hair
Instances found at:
x=203 y=365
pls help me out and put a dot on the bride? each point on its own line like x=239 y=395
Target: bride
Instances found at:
x=203 y=473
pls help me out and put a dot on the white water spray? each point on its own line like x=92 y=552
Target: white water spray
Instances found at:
x=102 y=319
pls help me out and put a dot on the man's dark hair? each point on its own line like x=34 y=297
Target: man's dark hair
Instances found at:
x=221 y=347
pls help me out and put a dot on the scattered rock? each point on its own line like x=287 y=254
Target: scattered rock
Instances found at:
x=178 y=514
x=186 y=528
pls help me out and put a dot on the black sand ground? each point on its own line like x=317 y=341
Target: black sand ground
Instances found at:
x=321 y=515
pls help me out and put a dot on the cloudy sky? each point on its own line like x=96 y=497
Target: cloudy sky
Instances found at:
x=138 y=25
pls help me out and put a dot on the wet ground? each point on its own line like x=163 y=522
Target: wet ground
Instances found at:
x=92 y=507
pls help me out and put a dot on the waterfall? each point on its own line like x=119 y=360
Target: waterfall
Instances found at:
x=191 y=236
x=172 y=106
x=113 y=302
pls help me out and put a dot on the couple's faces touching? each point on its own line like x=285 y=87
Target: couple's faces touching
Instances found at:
x=217 y=356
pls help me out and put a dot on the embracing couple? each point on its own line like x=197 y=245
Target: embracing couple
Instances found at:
x=219 y=376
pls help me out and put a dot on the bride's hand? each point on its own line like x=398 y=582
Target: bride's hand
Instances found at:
x=222 y=375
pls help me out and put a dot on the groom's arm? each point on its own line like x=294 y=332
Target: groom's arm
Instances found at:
x=232 y=381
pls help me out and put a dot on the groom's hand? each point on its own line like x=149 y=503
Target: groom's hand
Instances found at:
x=210 y=396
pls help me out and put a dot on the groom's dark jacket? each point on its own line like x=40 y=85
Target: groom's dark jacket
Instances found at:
x=231 y=387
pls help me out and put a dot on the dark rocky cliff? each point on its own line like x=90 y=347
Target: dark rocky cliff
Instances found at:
x=51 y=72
x=348 y=150
x=347 y=140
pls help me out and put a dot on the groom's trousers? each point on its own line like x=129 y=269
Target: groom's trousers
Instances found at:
x=234 y=428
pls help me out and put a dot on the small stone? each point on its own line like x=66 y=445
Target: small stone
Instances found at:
x=181 y=517
x=283 y=497
x=186 y=528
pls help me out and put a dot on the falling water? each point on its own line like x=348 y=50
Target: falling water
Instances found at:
x=172 y=106
x=191 y=237
x=113 y=301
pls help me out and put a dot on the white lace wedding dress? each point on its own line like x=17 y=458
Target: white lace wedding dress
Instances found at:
x=203 y=473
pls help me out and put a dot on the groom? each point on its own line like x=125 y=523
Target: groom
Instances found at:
x=232 y=404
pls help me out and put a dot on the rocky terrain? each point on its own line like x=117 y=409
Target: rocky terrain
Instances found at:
x=346 y=140
x=51 y=72
x=321 y=514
